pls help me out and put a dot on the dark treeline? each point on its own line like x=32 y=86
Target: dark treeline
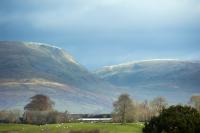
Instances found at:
x=175 y=119
x=90 y=115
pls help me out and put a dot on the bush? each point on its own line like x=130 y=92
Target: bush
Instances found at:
x=175 y=119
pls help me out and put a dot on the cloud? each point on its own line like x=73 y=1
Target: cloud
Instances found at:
x=115 y=30
x=104 y=14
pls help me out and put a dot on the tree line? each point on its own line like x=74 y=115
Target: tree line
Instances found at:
x=40 y=110
x=129 y=110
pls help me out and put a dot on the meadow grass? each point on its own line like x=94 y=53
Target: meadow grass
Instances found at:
x=65 y=128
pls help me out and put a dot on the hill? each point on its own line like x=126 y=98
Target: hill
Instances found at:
x=29 y=68
x=176 y=80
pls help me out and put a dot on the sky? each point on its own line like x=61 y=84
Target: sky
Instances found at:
x=106 y=32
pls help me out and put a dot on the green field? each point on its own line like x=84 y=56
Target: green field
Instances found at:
x=65 y=128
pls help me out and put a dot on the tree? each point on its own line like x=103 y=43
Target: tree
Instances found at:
x=195 y=101
x=158 y=104
x=123 y=109
x=55 y=117
x=37 y=111
x=175 y=119
x=10 y=116
x=66 y=116
x=39 y=102
x=143 y=112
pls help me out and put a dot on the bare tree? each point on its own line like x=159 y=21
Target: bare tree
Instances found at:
x=10 y=116
x=143 y=112
x=123 y=109
x=158 y=104
x=195 y=101
x=67 y=116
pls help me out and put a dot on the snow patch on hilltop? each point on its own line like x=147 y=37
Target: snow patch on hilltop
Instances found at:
x=42 y=44
x=65 y=54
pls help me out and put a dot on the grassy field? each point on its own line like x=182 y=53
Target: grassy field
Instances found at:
x=65 y=128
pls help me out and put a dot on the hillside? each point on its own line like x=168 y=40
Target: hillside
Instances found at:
x=28 y=68
x=174 y=79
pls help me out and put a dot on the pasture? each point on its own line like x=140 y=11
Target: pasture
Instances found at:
x=66 y=128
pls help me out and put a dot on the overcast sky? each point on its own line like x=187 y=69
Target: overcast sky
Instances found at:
x=104 y=32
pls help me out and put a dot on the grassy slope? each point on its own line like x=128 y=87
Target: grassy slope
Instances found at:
x=64 y=128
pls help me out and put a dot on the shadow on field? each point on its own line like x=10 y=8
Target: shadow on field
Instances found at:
x=9 y=132
x=86 y=131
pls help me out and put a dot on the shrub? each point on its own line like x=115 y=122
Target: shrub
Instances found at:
x=175 y=119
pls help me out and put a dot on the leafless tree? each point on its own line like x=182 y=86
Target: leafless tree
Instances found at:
x=158 y=104
x=123 y=109
x=10 y=116
x=143 y=112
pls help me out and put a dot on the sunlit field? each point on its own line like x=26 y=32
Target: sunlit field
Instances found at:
x=66 y=128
